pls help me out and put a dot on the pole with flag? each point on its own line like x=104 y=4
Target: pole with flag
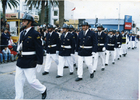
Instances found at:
x=72 y=15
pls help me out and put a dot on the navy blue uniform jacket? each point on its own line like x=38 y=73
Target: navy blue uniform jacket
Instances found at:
x=119 y=40
x=102 y=39
x=75 y=38
x=111 y=40
x=67 y=41
x=52 y=40
x=88 y=40
x=31 y=42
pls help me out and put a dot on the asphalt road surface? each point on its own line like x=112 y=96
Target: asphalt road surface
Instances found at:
x=119 y=81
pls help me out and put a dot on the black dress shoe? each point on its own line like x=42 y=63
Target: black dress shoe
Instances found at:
x=106 y=64
x=92 y=75
x=113 y=62
x=44 y=94
x=124 y=55
x=78 y=79
x=65 y=66
x=45 y=73
x=102 y=69
x=76 y=68
x=118 y=58
x=74 y=65
x=58 y=76
x=71 y=73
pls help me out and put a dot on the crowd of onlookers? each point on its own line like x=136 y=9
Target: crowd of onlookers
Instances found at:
x=8 y=51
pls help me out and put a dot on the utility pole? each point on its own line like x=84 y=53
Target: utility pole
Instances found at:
x=119 y=18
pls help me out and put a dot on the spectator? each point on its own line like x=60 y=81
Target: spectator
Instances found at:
x=5 y=38
x=7 y=54
x=1 y=57
x=13 y=53
x=11 y=43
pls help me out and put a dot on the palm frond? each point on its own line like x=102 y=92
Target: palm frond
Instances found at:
x=9 y=5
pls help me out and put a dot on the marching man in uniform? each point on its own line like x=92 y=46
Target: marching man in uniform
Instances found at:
x=133 y=41
x=124 y=45
x=71 y=28
x=119 y=43
x=52 y=48
x=101 y=47
x=67 y=46
x=31 y=55
x=86 y=46
x=111 y=43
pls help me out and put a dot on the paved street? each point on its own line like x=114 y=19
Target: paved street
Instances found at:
x=119 y=81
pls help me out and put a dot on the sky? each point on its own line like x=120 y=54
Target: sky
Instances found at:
x=90 y=9
x=108 y=9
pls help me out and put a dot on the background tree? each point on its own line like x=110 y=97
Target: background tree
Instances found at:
x=61 y=12
x=10 y=3
x=42 y=3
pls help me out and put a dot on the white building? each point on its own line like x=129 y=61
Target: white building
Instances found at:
x=54 y=12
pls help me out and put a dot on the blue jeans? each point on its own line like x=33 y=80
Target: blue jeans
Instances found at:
x=1 y=57
x=7 y=56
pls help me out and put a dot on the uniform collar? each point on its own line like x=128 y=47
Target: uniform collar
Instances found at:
x=51 y=33
x=27 y=30
x=99 y=33
x=86 y=31
x=66 y=34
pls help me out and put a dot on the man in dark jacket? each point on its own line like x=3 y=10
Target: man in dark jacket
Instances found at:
x=5 y=38
x=31 y=54
x=86 y=46
x=52 y=48
x=119 y=43
x=75 y=38
x=111 y=44
x=101 y=47
x=67 y=46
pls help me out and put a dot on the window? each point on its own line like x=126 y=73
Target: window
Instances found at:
x=55 y=13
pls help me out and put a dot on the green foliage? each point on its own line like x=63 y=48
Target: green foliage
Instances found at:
x=10 y=3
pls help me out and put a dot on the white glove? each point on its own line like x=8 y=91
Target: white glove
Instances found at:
x=76 y=53
x=19 y=47
x=103 y=49
x=38 y=68
x=93 y=54
x=57 y=52
x=119 y=46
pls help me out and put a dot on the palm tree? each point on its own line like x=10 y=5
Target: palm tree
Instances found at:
x=61 y=12
x=37 y=3
x=10 y=3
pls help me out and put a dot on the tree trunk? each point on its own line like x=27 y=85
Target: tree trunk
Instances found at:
x=4 y=8
x=42 y=12
x=61 y=12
